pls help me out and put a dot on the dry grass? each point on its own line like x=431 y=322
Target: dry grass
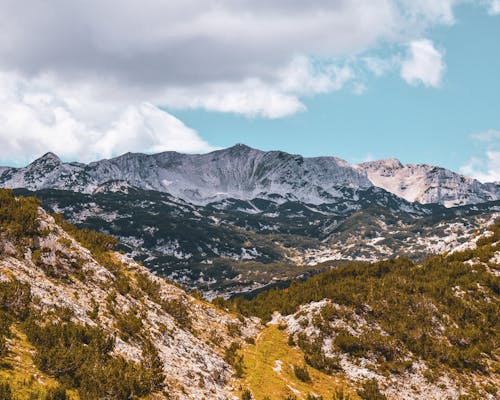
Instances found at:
x=26 y=380
x=264 y=378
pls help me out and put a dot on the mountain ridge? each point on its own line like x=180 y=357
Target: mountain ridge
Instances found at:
x=426 y=183
x=245 y=173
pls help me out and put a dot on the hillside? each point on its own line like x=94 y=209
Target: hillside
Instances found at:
x=78 y=316
x=233 y=246
x=81 y=321
x=425 y=330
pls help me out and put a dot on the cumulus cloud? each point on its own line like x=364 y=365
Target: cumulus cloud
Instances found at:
x=37 y=118
x=154 y=42
x=256 y=97
x=225 y=55
x=251 y=97
x=81 y=69
x=487 y=167
x=249 y=57
x=424 y=64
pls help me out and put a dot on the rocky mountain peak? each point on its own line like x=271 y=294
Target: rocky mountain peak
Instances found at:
x=388 y=164
x=48 y=158
x=242 y=172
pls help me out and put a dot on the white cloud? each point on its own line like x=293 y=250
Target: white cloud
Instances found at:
x=424 y=64
x=37 y=118
x=490 y=135
x=74 y=74
x=380 y=66
x=277 y=98
x=303 y=76
x=484 y=169
x=188 y=42
x=487 y=167
x=252 y=98
x=437 y=11
x=249 y=56
x=494 y=8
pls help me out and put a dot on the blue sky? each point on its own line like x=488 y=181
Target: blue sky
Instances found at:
x=416 y=124
x=366 y=79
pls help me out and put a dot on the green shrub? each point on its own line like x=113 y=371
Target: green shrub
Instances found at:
x=350 y=343
x=152 y=365
x=57 y=393
x=233 y=329
x=5 y=391
x=233 y=358
x=122 y=283
x=15 y=298
x=178 y=310
x=371 y=391
x=80 y=357
x=96 y=242
x=311 y=396
x=302 y=373
x=314 y=356
x=341 y=394
x=18 y=216
x=246 y=395
x=129 y=324
x=250 y=340
x=148 y=286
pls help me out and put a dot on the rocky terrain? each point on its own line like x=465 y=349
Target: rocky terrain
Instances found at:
x=69 y=304
x=424 y=330
x=428 y=184
x=68 y=282
x=240 y=172
x=233 y=245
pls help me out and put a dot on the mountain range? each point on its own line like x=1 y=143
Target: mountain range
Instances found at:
x=244 y=173
x=327 y=280
x=241 y=219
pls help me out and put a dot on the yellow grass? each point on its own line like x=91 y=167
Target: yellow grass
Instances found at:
x=264 y=380
x=18 y=369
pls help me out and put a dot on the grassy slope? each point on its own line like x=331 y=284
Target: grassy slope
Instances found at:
x=18 y=369
x=262 y=378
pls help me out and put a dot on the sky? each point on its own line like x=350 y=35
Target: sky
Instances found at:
x=416 y=80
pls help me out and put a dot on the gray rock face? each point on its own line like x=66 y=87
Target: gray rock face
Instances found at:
x=241 y=172
x=428 y=184
x=237 y=172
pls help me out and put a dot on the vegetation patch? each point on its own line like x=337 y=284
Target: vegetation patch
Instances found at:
x=417 y=305
x=269 y=371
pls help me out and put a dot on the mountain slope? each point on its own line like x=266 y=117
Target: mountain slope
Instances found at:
x=243 y=173
x=238 y=172
x=422 y=331
x=428 y=184
x=234 y=245
x=80 y=320
x=82 y=309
